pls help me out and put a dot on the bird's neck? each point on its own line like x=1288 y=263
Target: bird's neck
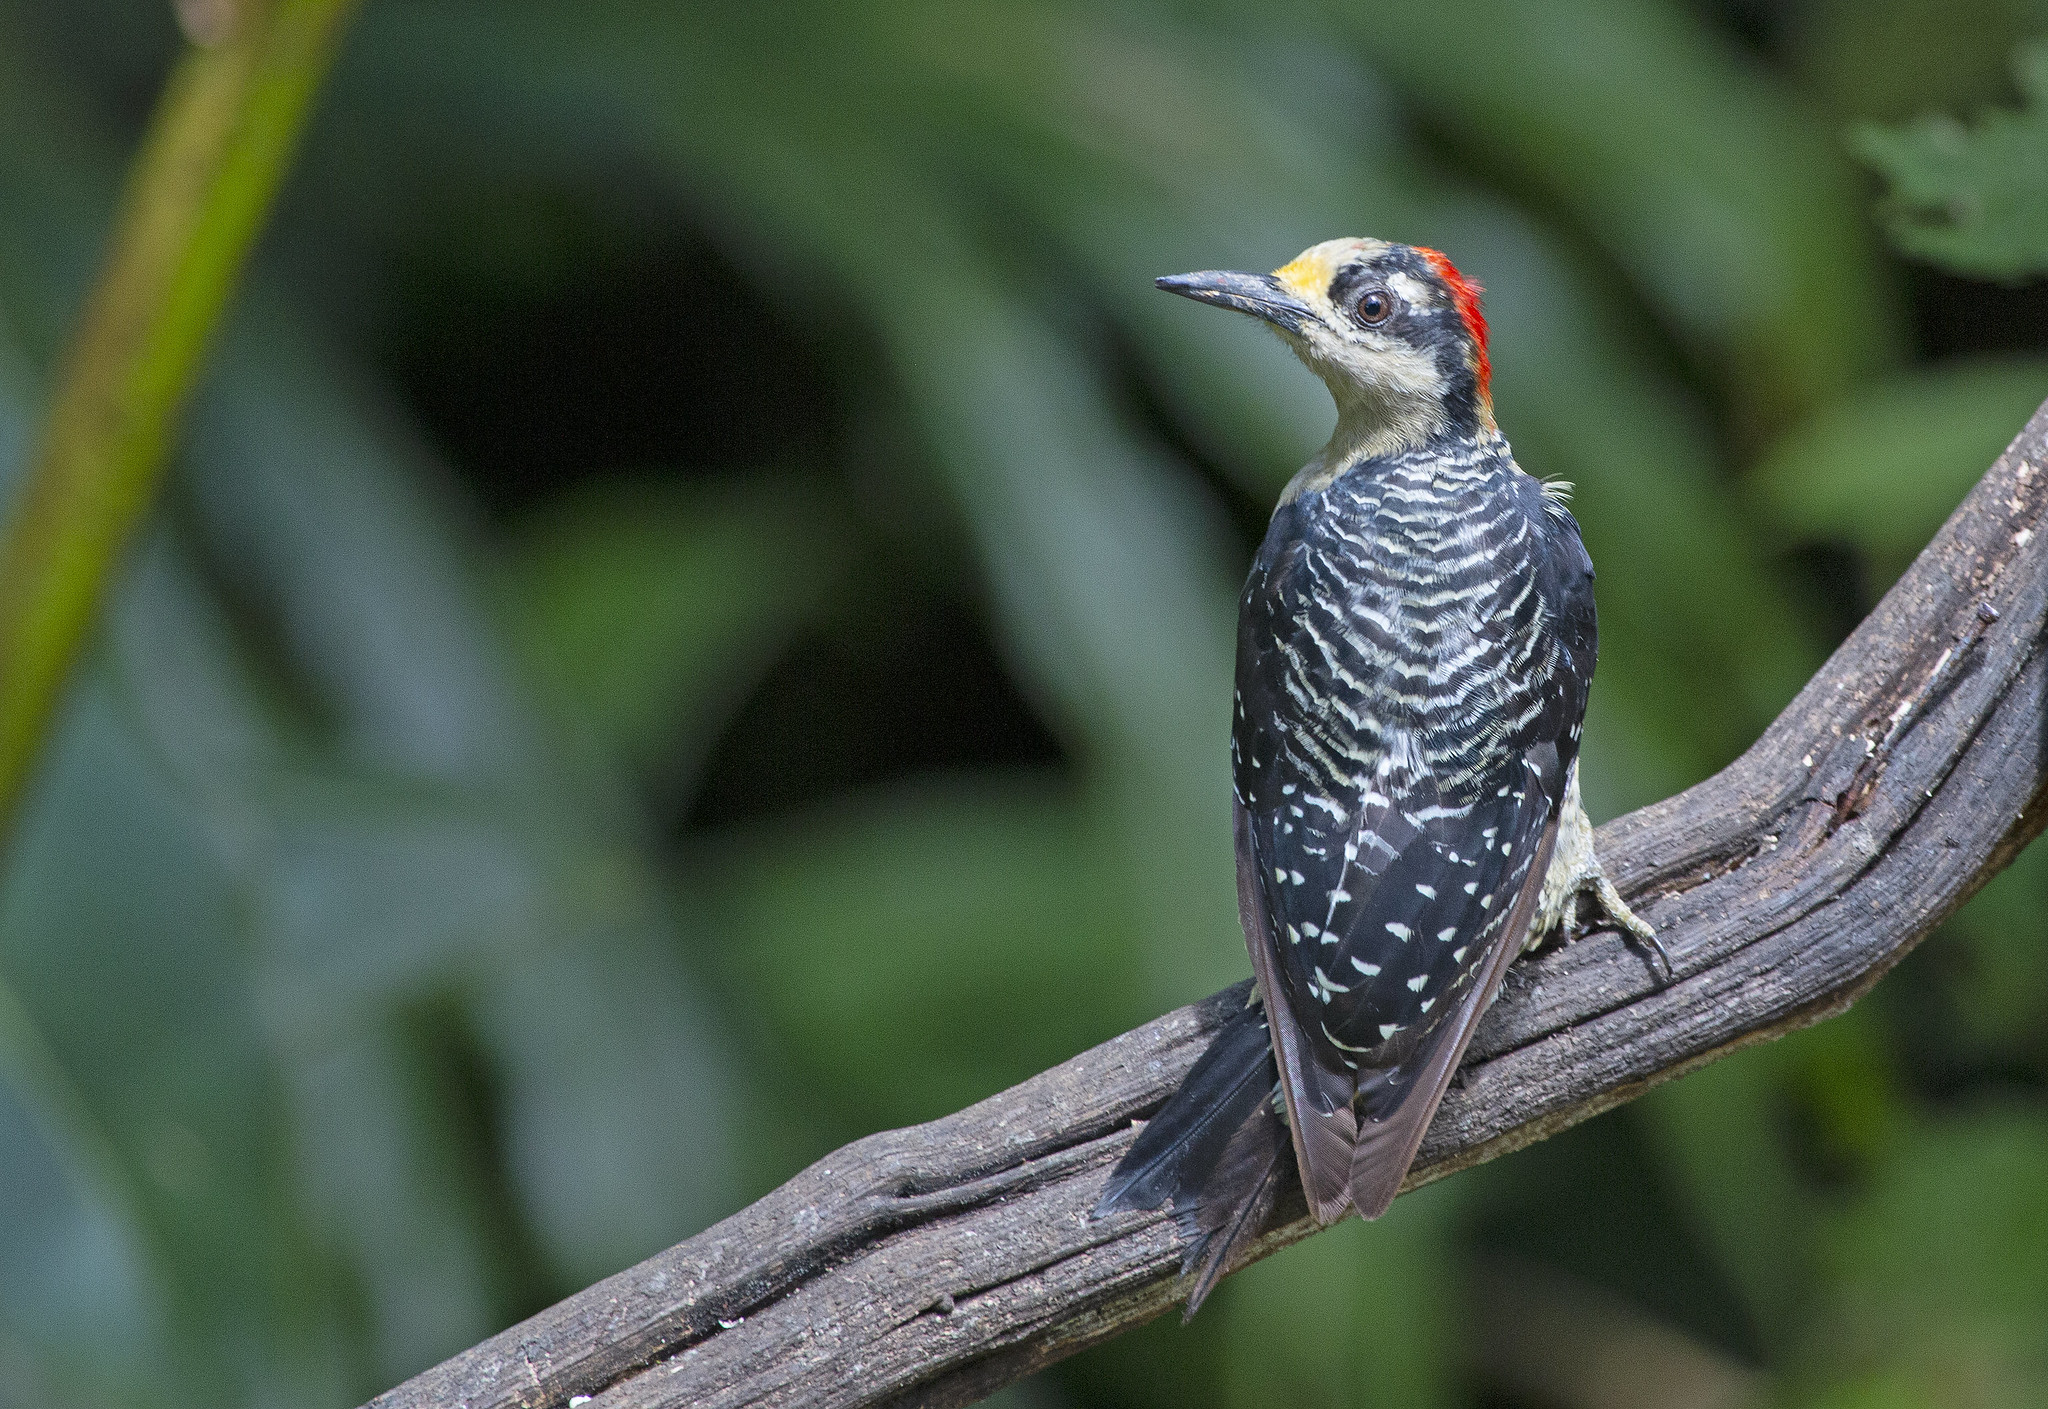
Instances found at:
x=1374 y=425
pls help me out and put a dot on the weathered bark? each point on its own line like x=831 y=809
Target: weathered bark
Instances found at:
x=930 y=1266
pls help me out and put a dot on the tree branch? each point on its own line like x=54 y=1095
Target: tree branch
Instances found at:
x=930 y=1266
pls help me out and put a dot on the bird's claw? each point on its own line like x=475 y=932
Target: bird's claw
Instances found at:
x=1616 y=910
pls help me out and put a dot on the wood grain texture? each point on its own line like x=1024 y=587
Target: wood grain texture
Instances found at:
x=929 y=1266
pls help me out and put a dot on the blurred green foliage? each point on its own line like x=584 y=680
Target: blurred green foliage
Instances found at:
x=693 y=621
x=1974 y=198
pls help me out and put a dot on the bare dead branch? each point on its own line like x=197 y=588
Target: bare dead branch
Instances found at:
x=929 y=1266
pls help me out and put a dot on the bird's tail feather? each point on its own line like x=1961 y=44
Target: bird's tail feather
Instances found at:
x=1183 y=1143
x=1235 y=1203
x=1217 y=1150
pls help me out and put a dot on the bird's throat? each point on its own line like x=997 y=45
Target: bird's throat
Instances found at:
x=1371 y=424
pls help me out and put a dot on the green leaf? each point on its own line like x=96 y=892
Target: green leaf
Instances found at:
x=1953 y=1221
x=322 y=502
x=1972 y=198
x=17 y=397
x=389 y=1188
x=71 y=1262
x=647 y=612
x=1884 y=466
x=1720 y=1138
x=1888 y=60
x=142 y=992
x=1939 y=1266
x=1997 y=985
x=914 y=951
x=620 y=1118
x=1708 y=186
x=457 y=846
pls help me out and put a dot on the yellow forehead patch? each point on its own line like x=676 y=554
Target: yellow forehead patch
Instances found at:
x=1309 y=273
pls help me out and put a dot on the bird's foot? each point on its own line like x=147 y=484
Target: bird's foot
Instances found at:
x=1607 y=901
x=1574 y=873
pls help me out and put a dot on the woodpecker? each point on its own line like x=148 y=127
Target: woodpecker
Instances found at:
x=1415 y=647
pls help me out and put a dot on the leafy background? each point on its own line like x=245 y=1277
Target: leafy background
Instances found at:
x=692 y=622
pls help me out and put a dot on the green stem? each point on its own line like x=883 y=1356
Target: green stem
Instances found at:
x=201 y=186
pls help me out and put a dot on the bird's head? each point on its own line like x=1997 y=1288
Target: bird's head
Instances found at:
x=1395 y=331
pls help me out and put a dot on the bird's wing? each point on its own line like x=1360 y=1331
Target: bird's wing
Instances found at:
x=1373 y=935
x=1323 y=1130
x=1387 y=1142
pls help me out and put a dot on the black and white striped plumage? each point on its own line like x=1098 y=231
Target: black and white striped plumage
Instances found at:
x=1415 y=646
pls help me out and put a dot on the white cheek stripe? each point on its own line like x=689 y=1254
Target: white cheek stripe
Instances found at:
x=1412 y=291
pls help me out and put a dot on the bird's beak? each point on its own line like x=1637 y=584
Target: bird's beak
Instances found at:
x=1260 y=295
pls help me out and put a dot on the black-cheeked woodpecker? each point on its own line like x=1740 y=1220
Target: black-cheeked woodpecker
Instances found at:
x=1415 y=647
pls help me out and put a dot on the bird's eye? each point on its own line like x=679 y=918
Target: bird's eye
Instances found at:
x=1374 y=307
